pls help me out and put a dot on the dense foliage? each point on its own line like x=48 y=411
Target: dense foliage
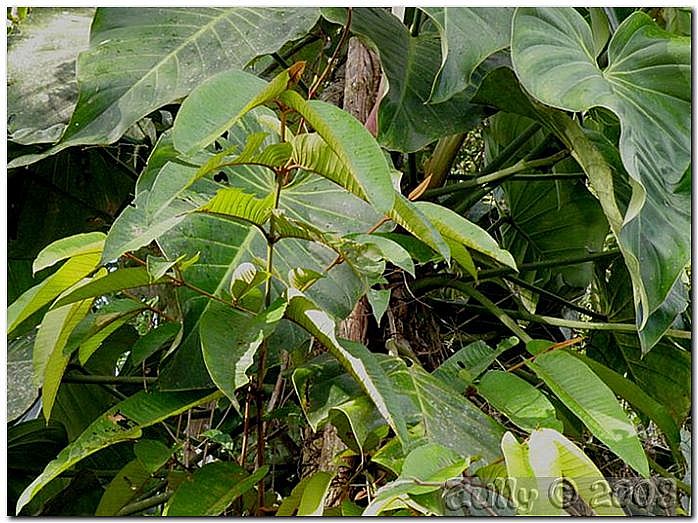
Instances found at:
x=193 y=217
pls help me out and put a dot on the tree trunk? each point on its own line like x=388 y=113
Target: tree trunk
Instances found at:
x=362 y=78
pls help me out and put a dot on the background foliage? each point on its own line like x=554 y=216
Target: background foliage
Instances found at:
x=194 y=222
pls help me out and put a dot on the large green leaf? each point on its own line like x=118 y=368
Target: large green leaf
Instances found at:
x=594 y=403
x=546 y=219
x=468 y=36
x=41 y=86
x=211 y=489
x=230 y=339
x=523 y=404
x=647 y=85
x=405 y=121
x=68 y=247
x=120 y=84
x=355 y=358
x=140 y=410
x=353 y=145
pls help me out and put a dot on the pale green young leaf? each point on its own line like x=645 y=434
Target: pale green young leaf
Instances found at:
x=378 y=299
x=69 y=247
x=72 y=271
x=118 y=280
x=236 y=203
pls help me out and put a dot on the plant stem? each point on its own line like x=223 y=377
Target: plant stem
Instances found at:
x=510 y=150
x=345 y=35
x=107 y=380
x=441 y=160
x=558 y=262
x=140 y=506
x=498 y=176
x=488 y=304
x=554 y=297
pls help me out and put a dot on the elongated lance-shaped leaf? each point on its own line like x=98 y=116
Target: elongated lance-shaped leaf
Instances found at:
x=96 y=327
x=132 y=478
x=230 y=339
x=69 y=247
x=312 y=153
x=236 y=203
x=454 y=226
x=354 y=146
x=119 y=83
x=71 y=272
x=355 y=358
x=593 y=403
x=638 y=399
x=407 y=215
x=211 y=489
x=118 y=280
x=217 y=104
x=120 y=423
x=307 y=497
x=647 y=85
x=49 y=360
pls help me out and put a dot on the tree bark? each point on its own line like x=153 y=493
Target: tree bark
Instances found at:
x=362 y=78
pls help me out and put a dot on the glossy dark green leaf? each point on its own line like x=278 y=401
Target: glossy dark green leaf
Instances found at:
x=140 y=410
x=468 y=36
x=647 y=85
x=405 y=121
x=211 y=489
x=120 y=84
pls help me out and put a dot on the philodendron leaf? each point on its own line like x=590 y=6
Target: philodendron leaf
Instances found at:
x=230 y=339
x=109 y=103
x=647 y=85
x=468 y=36
x=523 y=404
x=120 y=423
x=590 y=399
x=41 y=86
x=211 y=489
x=356 y=359
x=356 y=149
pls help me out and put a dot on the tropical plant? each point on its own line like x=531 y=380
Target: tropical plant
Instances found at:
x=193 y=222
